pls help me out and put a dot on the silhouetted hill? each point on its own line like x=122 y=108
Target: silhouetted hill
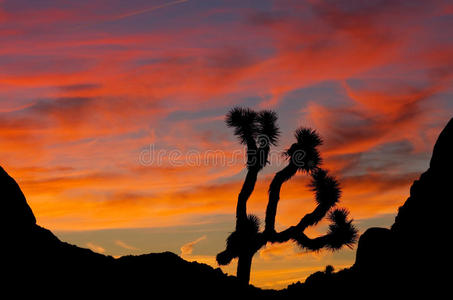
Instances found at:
x=391 y=261
x=34 y=260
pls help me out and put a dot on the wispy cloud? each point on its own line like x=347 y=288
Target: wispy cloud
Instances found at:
x=187 y=249
x=124 y=245
x=149 y=9
x=95 y=248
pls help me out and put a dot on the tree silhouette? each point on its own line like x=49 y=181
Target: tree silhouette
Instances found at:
x=258 y=131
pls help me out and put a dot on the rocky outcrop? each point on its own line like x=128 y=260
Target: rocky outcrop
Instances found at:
x=431 y=194
x=16 y=212
x=410 y=247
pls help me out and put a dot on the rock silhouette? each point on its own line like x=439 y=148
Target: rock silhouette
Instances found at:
x=406 y=258
x=411 y=248
x=17 y=213
x=401 y=260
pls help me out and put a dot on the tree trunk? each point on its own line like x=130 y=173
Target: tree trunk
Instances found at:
x=244 y=267
x=244 y=195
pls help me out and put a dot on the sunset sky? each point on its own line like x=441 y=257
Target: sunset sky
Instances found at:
x=112 y=114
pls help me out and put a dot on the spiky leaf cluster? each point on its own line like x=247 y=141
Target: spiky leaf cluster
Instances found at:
x=244 y=122
x=250 y=125
x=341 y=231
x=309 y=137
x=254 y=128
x=304 y=153
x=267 y=128
x=326 y=188
x=241 y=240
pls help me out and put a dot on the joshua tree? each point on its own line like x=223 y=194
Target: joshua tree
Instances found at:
x=258 y=131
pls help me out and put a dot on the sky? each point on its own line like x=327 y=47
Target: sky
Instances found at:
x=112 y=115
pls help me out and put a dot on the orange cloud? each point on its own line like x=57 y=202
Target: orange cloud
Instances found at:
x=271 y=251
x=124 y=245
x=95 y=248
x=187 y=249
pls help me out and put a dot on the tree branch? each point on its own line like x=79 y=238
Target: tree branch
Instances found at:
x=274 y=195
